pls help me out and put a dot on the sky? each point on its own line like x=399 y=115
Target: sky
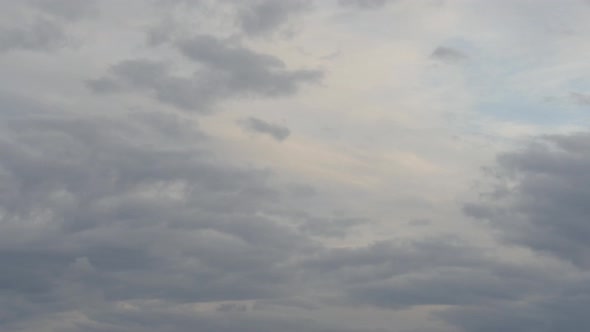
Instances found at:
x=294 y=165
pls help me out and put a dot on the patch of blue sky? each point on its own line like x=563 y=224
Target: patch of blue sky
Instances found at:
x=522 y=110
x=489 y=79
x=498 y=99
x=577 y=85
x=497 y=80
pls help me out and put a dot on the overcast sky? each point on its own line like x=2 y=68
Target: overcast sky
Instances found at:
x=294 y=165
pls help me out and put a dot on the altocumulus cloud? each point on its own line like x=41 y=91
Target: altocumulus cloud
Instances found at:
x=98 y=210
x=227 y=71
x=129 y=209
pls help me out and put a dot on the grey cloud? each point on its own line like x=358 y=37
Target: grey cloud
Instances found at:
x=399 y=275
x=462 y=286
x=256 y=125
x=448 y=54
x=263 y=17
x=232 y=307
x=390 y=268
x=42 y=35
x=546 y=209
x=563 y=310
x=17 y=105
x=581 y=99
x=420 y=222
x=478 y=211
x=397 y=257
x=45 y=29
x=299 y=190
x=126 y=221
x=104 y=85
x=289 y=302
x=195 y=93
x=162 y=319
x=70 y=10
x=329 y=227
x=244 y=70
x=161 y=33
x=29 y=272
x=215 y=53
x=144 y=73
x=228 y=71
x=129 y=207
x=364 y=4
x=254 y=18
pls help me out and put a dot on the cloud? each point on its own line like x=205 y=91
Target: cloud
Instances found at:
x=257 y=18
x=246 y=71
x=92 y=188
x=128 y=222
x=396 y=257
x=264 y=17
x=580 y=98
x=256 y=125
x=463 y=286
x=152 y=318
x=421 y=222
x=110 y=209
x=161 y=33
x=41 y=25
x=232 y=307
x=364 y=4
x=129 y=207
x=448 y=54
x=118 y=213
x=43 y=35
x=69 y=10
x=545 y=192
x=244 y=20
x=538 y=200
x=562 y=310
x=227 y=71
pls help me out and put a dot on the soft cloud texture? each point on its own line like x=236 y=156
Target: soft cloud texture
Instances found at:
x=448 y=54
x=209 y=165
x=70 y=10
x=540 y=200
x=364 y=4
x=42 y=35
x=227 y=71
x=89 y=202
x=264 y=17
x=256 y=125
x=537 y=201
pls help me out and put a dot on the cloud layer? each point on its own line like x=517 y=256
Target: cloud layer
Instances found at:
x=204 y=165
